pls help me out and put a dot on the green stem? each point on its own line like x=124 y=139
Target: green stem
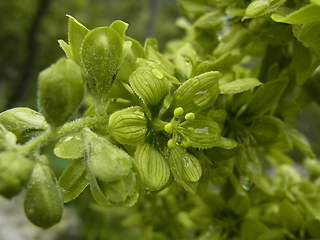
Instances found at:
x=158 y=124
x=68 y=128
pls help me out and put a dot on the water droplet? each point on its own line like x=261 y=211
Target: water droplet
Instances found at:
x=157 y=73
x=68 y=139
x=202 y=92
x=204 y=130
x=246 y=183
x=187 y=162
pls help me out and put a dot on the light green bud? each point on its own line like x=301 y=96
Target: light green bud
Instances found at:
x=168 y=128
x=128 y=126
x=119 y=191
x=152 y=167
x=178 y=112
x=43 y=202
x=70 y=147
x=23 y=122
x=105 y=160
x=256 y=8
x=60 y=91
x=149 y=84
x=197 y=93
x=190 y=116
x=101 y=56
x=7 y=139
x=14 y=173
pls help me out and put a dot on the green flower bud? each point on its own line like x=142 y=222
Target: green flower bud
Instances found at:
x=43 y=202
x=14 y=173
x=121 y=190
x=197 y=93
x=149 y=84
x=168 y=128
x=7 y=139
x=105 y=160
x=178 y=112
x=185 y=167
x=152 y=167
x=60 y=91
x=101 y=56
x=128 y=126
x=23 y=122
x=256 y=8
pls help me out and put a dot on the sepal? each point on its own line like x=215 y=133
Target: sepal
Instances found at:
x=128 y=126
x=152 y=167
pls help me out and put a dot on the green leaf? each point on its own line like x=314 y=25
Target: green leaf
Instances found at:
x=306 y=14
x=290 y=217
x=60 y=91
x=69 y=147
x=300 y=142
x=76 y=34
x=312 y=226
x=251 y=229
x=197 y=93
x=73 y=180
x=302 y=62
x=267 y=129
x=152 y=167
x=256 y=8
x=106 y=161
x=267 y=96
x=101 y=56
x=185 y=59
x=121 y=27
x=185 y=168
x=239 y=85
x=309 y=35
x=25 y=123
x=128 y=126
x=43 y=202
x=66 y=48
x=240 y=203
x=149 y=84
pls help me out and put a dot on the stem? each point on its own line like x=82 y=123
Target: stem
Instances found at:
x=158 y=124
x=54 y=133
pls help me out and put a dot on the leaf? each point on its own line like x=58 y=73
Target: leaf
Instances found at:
x=73 y=180
x=290 y=217
x=302 y=62
x=306 y=14
x=152 y=167
x=76 y=34
x=197 y=93
x=309 y=35
x=69 y=147
x=66 y=48
x=267 y=96
x=121 y=27
x=300 y=142
x=185 y=59
x=239 y=85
